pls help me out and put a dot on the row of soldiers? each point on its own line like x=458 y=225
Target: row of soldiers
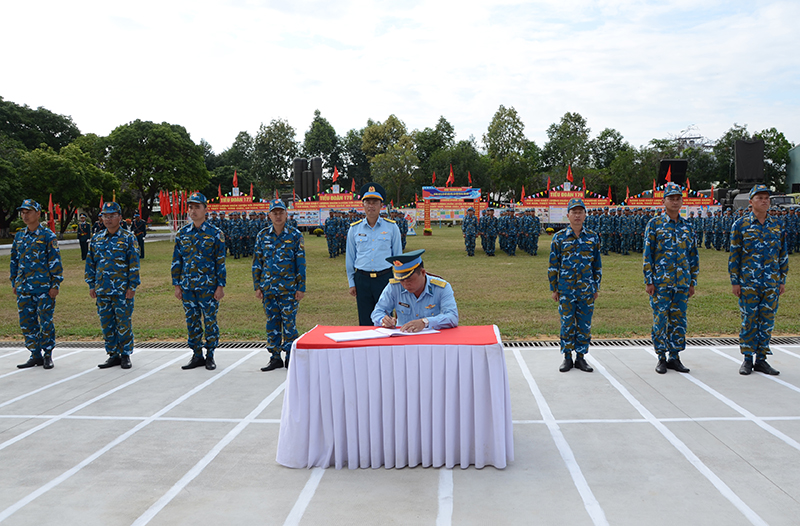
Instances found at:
x=338 y=223
x=715 y=228
x=515 y=230
x=241 y=231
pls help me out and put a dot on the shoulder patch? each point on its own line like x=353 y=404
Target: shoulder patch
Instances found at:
x=438 y=282
x=393 y=281
x=357 y=222
x=390 y=220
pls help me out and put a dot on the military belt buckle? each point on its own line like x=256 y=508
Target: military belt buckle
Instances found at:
x=373 y=274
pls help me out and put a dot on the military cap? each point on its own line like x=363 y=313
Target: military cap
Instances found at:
x=757 y=189
x=373 y=191
x=672 y=189
x=111 y=208
x=198 y=198
x=574 y=203
x=30 y=204
x=405 y=264
x=276 y=203
x=470 y=208
x=83 y=216
x=136 y=214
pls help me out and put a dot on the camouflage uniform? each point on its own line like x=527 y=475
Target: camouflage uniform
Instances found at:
x=279 y=271
x=84 y=235
x=139 y=229
x=331 y=235
x=575 y=272
x=469 y=227
x=671 y=263
x=198 y=268
x=758 y=263
x=35 y=269
x=487 y=229
x=112 y=268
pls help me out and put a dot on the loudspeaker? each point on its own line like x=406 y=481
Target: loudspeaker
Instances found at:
x=749 y=161
x=677 y=168
x=298 y=167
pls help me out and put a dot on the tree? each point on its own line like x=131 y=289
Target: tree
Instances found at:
x=394 y=168
x=33 y=128
x=605 y=147
x=321 y=141
x=274 y=149
x=776 y=157
x=150 y=157
x=568 y=144
x=355 y=165
x=724 y=152
x=428 y=141
x=11 y=184
x=378 y=137
x=505 y=134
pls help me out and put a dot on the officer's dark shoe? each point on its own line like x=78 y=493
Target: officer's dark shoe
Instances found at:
x=566 y=365
x=580 y=363
x=113 y=361
x=48 y=362
x=210 y=365
x=125 y=361
x=32 y=362
x=274 y=363
x=746 y=367
x=286 y=361
x=196 y=361
x=676 y=365
x=661 y=366
x=763 y=367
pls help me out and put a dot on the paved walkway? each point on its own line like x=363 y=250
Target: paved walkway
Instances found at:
x=623 y=446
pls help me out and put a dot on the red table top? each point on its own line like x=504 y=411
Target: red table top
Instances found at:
x=475 y=335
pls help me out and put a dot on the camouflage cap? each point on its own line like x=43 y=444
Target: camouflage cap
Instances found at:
x=111 y=208
x=30 y=204
x=276 y=203
x=575 y=202
x=757 y=189
x=672 y=189
x=198 y=198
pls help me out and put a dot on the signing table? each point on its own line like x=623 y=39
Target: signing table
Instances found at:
x=431 y=400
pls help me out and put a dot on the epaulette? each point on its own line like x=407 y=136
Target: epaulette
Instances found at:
x=357 y=222
x=393 y=281
x=389 y=220
x=438 y=282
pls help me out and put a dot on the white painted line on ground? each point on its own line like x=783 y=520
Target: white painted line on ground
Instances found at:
x=94 y=456
x=198 y=468
x=33 y=368
x=48 y=386
x=12 y=353
x=593 y=508
x=88 y=403
x=302 y=502
x=784 y=350
x=773 y=378
x=693 y=459
x=444 y=517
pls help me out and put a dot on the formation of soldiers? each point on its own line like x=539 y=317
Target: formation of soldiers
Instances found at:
x=714 y=229
x=621 y=229
x=338 y=224
x=515 y=229
x=241 y=230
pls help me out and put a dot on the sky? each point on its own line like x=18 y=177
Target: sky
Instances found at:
x=649 y=69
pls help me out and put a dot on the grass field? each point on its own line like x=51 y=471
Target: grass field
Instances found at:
x=511 y=292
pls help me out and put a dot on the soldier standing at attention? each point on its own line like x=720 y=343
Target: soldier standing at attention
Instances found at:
x=575 y=272
x=758 y=266
x=36 y=274
x=487 y=229
x=198 y=275
x=112 y=273
x=139 y=229
x=469 y=227
x=279 y=279
x=369 y=242
x=671 y=265
x=84 y=235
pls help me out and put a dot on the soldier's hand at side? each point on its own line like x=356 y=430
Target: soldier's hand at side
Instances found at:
x=781 y=289
x=299 y=295
x=219 y=293
x=92 y=294
x=650 y=289
x=259 y=294
x=596 y=294
x=14 y=290
x=53 y=292
x=555 y=295
x=178 y=293
x=691 y=290
x=737 y=290
x=353 y=291
x=129 y=294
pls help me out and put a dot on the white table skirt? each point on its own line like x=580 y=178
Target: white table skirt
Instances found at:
x=397 y=406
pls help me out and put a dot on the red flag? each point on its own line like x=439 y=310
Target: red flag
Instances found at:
x=548 y=185
x=140 y=208
x=469 y=177
x=353 y=186
x=434 y=178
x=569 y=173
x=450 y=179
x=101 y=203
x=609 y=194
x=251 y=189
x=335 y=174
x=688 y=186
x=416 y=198
x=627 y=193
x=668 y=178
x=712 y=193
x=584 y=186
x=51 y=222
x=317 y=187
x=235 y=180
x=219 y=192
x=523 y=191
x=654 y=187
x=277 y=196
x=391 y=203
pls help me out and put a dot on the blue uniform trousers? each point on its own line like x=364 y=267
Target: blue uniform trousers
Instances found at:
x=115 y=321
x=36 y=322
x=576 y=322
x=488 y=244
x=758 y=305
x=469 y=242
x=201 y=309
x=669 y=320
x=281 y=313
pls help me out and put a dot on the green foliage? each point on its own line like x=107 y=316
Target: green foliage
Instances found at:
x=776 y=156
x=505 y=135
x=355 y=165
x=321 y=141
x=274 y=149
x=32 y=128
x=393 y=168
x=568 y=144
x=378 y=137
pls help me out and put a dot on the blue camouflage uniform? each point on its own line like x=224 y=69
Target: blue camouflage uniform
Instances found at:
x=198 y=268
x=759 y=263
x=279 y=271
x=112 y=268
x=35 y=269
x=575 y=272
x=671 y=263
x=487 y=229
x=469 y=227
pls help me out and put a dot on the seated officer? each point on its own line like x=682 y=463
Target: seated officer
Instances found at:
x=420 y=301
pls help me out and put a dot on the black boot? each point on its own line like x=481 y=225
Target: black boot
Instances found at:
x=746 y=367
x=763 y=367
x=196 y=361
x=210 y=364
x=32 y=362
x=48 y=361
x=661 y=366
x=125 y=361
x=676 y=365
x=113 y=361
x=580 y=363
x=566 y=365
x=274 y=363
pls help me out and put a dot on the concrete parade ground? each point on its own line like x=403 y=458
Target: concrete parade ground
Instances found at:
x=622 y=445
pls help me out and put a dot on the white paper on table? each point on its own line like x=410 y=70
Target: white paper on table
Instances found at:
x=372 y=334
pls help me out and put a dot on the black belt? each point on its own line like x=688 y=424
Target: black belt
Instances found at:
x=374 y=274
